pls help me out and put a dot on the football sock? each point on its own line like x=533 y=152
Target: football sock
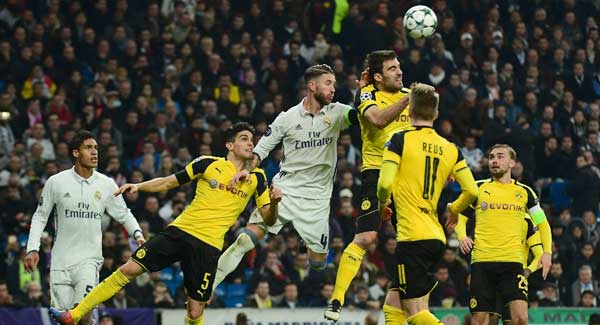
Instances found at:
x=197 y=321
x=108 y=288
x=394 y=315
x=349 y=265
x=424 y=317
x=231 y=258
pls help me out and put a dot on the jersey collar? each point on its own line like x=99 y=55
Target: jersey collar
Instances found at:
x=80 y=179
x=304 y=112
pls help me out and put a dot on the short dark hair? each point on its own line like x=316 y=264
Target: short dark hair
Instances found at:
x=316 y=71
x=79 y=138
x=375 y=61
x=237 y=128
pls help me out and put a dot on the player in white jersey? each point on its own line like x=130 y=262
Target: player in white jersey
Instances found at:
x=309 y=132
x=80 y=196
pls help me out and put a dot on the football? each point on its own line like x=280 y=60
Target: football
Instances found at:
x=420 y=21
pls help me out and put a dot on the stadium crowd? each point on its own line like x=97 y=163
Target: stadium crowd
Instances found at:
x=159 y=82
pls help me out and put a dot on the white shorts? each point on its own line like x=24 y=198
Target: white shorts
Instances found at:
x=68 y=287
x=309 y=217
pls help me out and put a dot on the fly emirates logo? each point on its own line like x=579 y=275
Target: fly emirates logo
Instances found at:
x=315 y=141
x=83 y=212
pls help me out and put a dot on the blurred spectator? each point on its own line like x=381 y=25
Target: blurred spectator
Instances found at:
x=121 y=300
x=161 y=296
x=290 y=297
x=588 y=299
x=583 y=283
x=585 y=188
x=261 y=298
x=445 y=293
x=549 y=295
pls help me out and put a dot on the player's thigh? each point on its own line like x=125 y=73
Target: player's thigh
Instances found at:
x=199 y=265
x=257 y=219
x=160 y=251
x=483 y=289
x=311 y=220
x=61 y=290
x=416 y=263
x=368 y=216
x=85 y=278
x=512 y=283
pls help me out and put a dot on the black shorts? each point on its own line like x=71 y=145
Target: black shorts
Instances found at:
x=416 y=265
x=198 y=259
x=368 y=217
x=493 y=281
x=502 y=309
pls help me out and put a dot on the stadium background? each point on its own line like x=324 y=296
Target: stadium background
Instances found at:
x=158 y=82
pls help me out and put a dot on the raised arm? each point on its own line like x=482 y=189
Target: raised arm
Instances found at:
x=119 y=211
x=380 y=118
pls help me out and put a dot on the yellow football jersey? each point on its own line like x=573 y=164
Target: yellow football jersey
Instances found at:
x=532 y=238
x=373 y=138
x=425 y=161
x=215 y=207
x=499 y=210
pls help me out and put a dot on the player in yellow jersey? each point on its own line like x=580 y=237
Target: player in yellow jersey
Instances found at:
x=381 y=109
x=416 y=164
x=531 y=241
x=196 y=237
x=497 y=257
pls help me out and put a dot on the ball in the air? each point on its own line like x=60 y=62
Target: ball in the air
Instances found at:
x=420 y=21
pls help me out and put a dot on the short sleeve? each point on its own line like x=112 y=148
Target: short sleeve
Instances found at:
x=365 y=98
x=194 y=169
x=396 y=143
x=532 y=199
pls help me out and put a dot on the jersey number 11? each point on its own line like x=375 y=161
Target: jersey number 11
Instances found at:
x=430 y=176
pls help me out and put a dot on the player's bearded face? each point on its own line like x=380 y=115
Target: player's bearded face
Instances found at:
x=88 y=154
x=392 y=76
x=324 y=89
x=500 y=162
x=243 y=145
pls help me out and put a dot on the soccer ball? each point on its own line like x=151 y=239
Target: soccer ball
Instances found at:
x=420 y=21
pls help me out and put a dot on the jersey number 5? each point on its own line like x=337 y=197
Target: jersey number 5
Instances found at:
x=430 y=176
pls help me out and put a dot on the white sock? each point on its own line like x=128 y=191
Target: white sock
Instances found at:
x=230 y=259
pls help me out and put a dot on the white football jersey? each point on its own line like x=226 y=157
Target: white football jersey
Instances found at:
x=309 y=158
x=80 y=204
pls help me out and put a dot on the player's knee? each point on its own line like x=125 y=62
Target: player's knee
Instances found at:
x=195 y=312
x=364 y=239
x=317 y=265
x=247 y=238
x=519 y=318
x=131 y=270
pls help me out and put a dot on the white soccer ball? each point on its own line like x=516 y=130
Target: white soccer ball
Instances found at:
x=420 y=21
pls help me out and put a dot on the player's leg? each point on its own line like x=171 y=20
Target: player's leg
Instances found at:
x=245 y=242
x=513 y=287
x=416 y=263
x=368 y=223
x=195 y=312
x=61 y=290
x=392 y=308
x=199 y=265
x=483 y=292
x=154 y=255
x=85 y=278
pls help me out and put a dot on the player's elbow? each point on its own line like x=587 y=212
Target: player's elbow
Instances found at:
x=472 y=192
x=379 y=123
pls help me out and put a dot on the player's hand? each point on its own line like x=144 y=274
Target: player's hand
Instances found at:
x=466 y=244
x=275 y=194
x=384 y=210
x=140 y=241
x=31 y=260
x=452 y=219
x=545 y=262
x=127 y=188
x=364 y=79
x=527 y=273
x=239 y=177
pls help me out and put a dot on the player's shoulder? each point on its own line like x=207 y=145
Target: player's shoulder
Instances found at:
x=207 y=158
x=405 y=90
x=60 y=176
x=366 y=93
x=103 y=178
x=337 y=106
x=483 y=182
x=259 y=172
x=525 y=187
x=368 y=88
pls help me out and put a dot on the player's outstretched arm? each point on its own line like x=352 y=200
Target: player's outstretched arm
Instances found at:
x=387 y=175
x=380 y=118
x=159 y=184
x=269 y=212
x=38 y=223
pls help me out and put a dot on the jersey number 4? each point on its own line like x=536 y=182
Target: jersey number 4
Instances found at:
x=430 y=176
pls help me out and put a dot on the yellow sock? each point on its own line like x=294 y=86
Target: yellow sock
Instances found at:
x=197 y=321
x=424 y=317
x=394 y=315
x=349 y=265
x=108 y=288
